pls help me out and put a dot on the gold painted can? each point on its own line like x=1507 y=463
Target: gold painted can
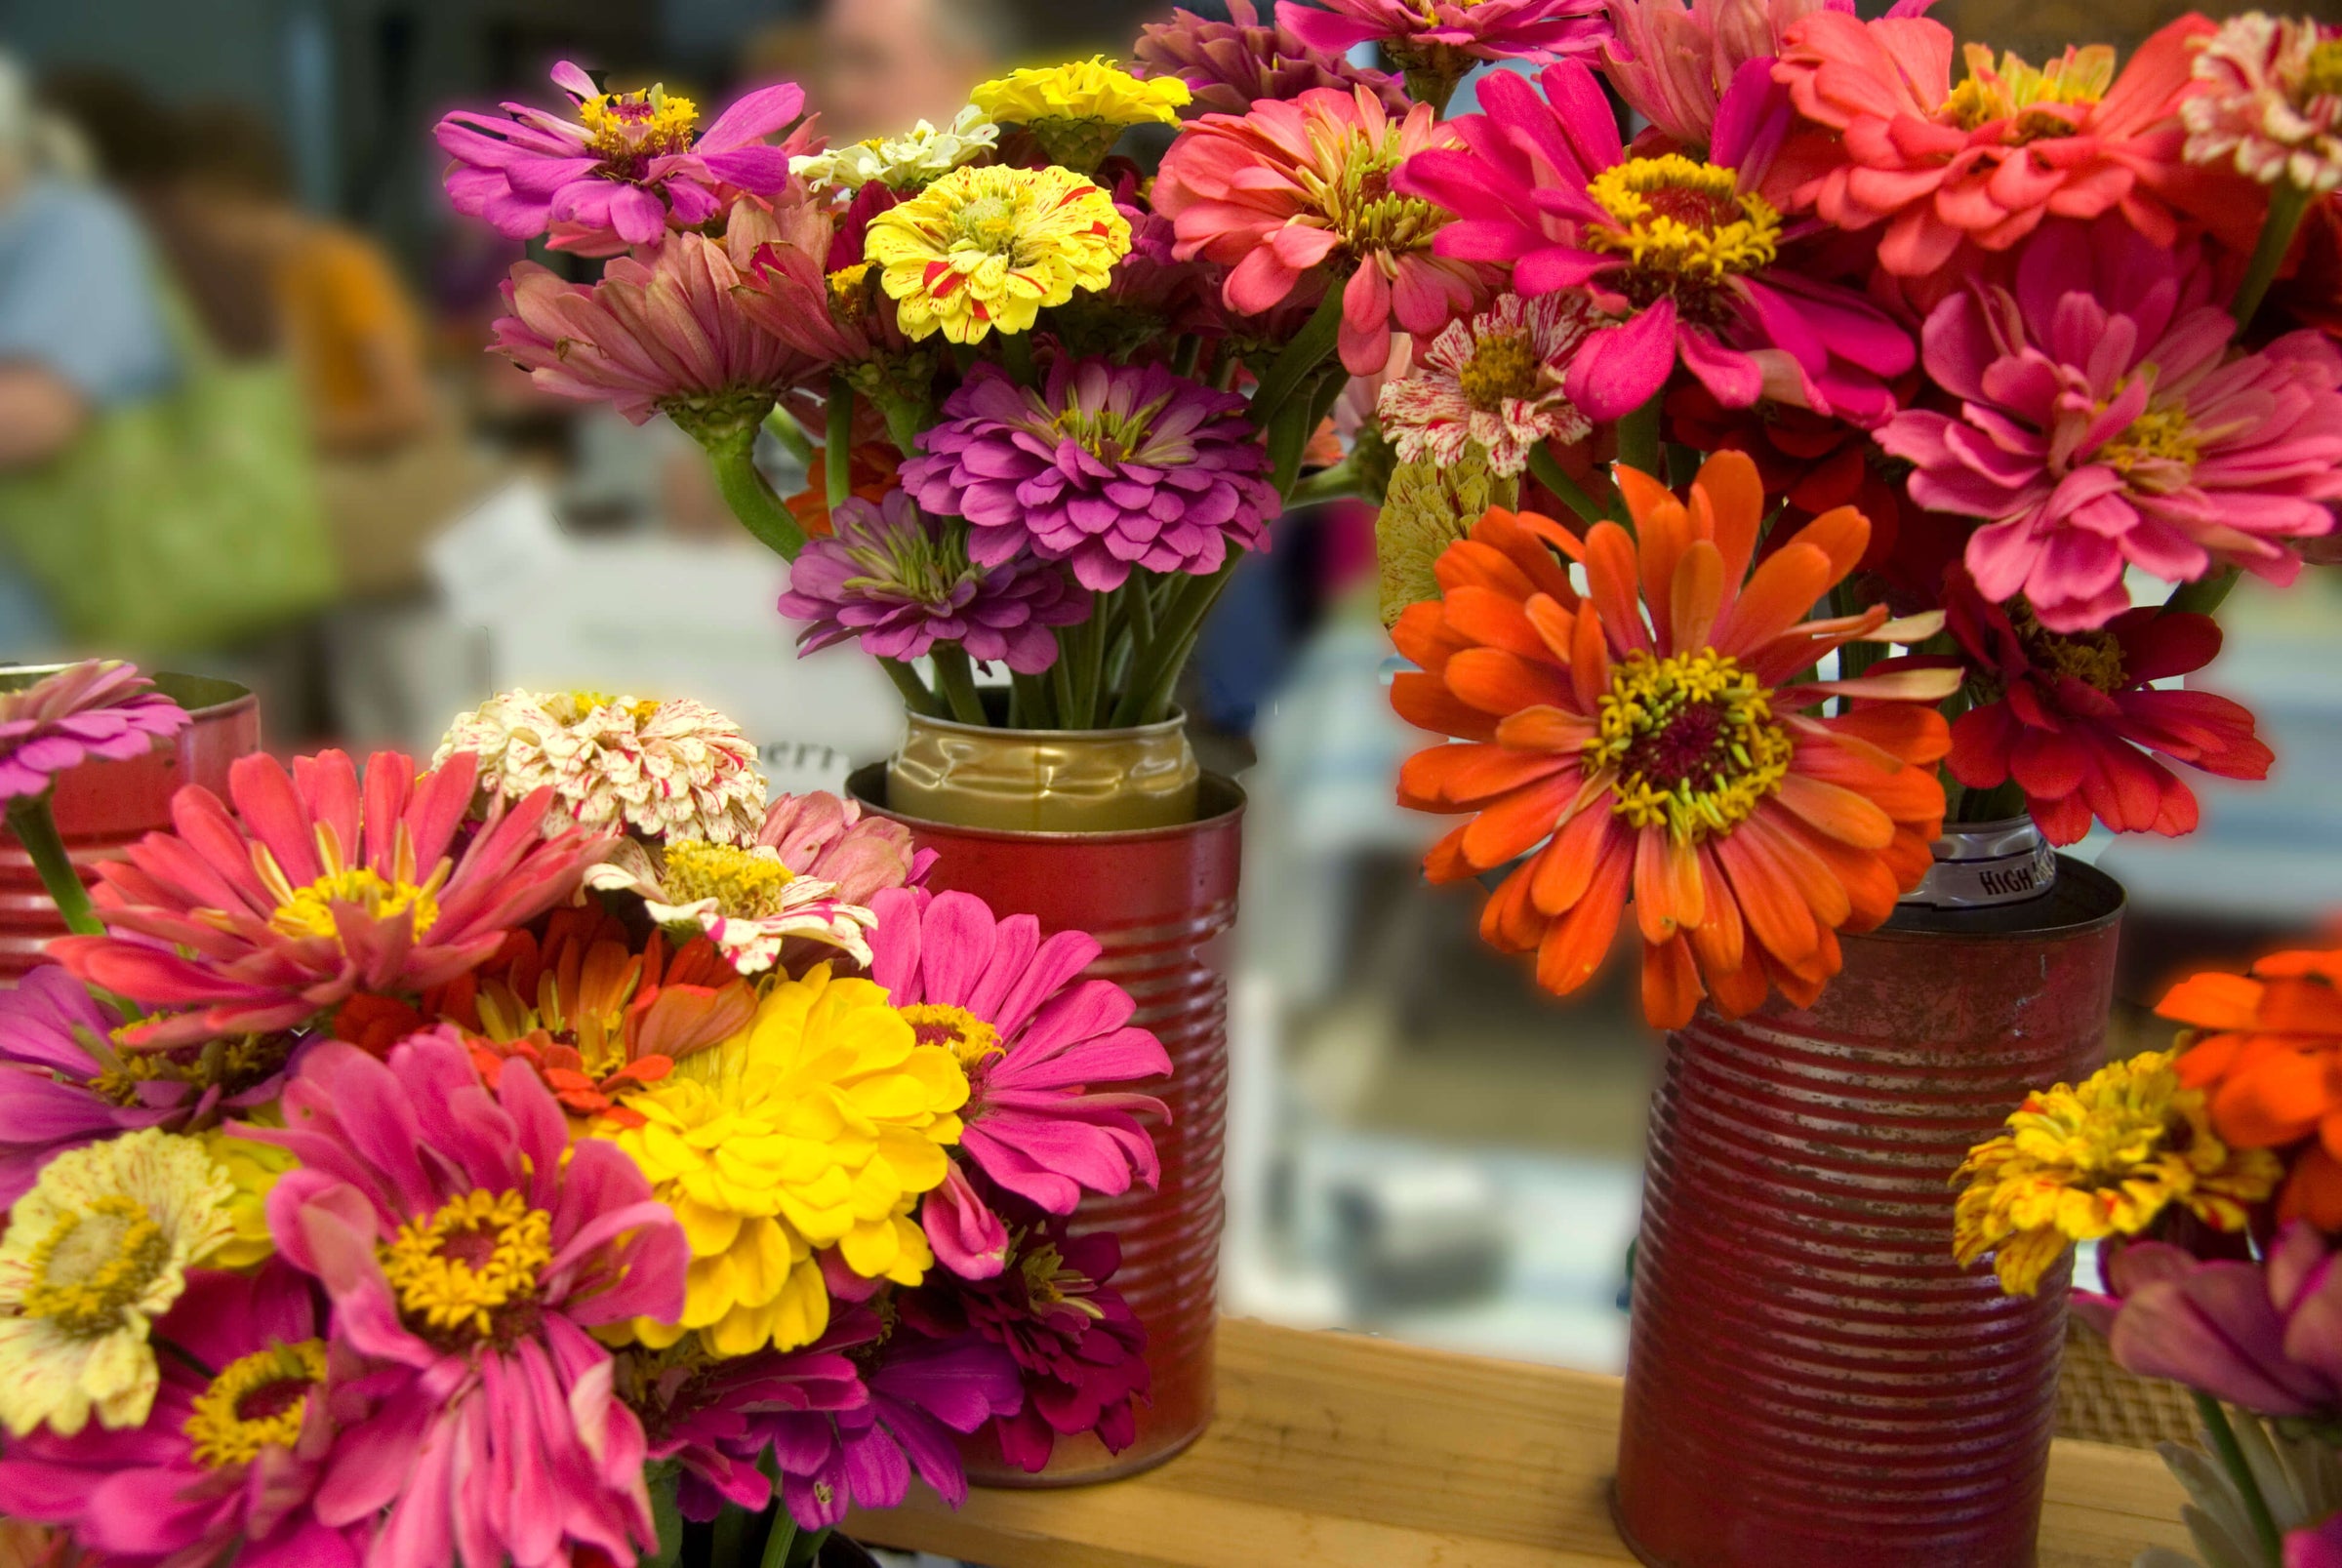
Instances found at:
x=1045 y=781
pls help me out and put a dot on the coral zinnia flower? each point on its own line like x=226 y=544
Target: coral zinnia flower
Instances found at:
x=1494 y=379
x=2272 y=103
x=1038 y=1044
x=2075 y=715
x=818 y=1125
x=1232 y=64
x=2105 y=422
x=225 y=1467
x=1287 y=187
x=315 y=889
x=2268 y=1050
x=469 y=1248
x=990 y=248
x=95 y=708
x=1685 y=250
x=1670 y=756
x=94 y=1253
x=1983 y=164
x=628 y=163
x=2104 y=1159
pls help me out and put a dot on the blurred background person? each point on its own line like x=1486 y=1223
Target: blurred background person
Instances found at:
x=885 y=65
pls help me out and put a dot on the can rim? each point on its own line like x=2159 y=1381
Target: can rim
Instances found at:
x=1220 y=801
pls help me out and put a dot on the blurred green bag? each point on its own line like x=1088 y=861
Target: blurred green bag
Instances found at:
x=185 y=523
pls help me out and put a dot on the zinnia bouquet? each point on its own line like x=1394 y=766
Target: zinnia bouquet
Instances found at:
x=514 y=1157
x=2207 y=1177
x=1861 y=448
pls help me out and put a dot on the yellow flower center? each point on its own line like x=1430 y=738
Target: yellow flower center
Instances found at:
x=1682 y=227
x=93 y=1263
x=256 y=1403
x=473 y=1262
x=1692 y=742
x=2017 y=93
x=309 y=912
x=581 y=704
x=968 y=1037
x=2322 y=78
x=1502 y=367
x=744 y=883
x=2158 y=438
x=1048 y=1282
x=629 y=127
x=991 y=223
x=2094 y=657
x=849 y=292
x=231 y=1065
x=1360 y=206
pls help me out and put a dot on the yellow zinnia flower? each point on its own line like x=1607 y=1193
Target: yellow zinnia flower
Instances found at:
x=100 y=1247
x=988 y=248
x=1078 y=110
x=2104 y=1159
x=252 y=1169
x=819 y=1125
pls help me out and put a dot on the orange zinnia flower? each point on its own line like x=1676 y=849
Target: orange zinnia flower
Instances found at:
x=1648 y=740
x=2268 y=1055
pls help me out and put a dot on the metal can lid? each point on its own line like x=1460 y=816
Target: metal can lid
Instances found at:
x=1980 y=864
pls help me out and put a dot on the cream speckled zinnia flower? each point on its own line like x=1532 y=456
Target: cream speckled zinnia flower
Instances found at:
x=94 y=1253
x=671 y=769
x=2271 y=101
x=905 y=162
x=745 y=901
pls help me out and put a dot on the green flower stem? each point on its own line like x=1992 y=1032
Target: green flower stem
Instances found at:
x=957 y=678
x=2204 y=595
x=668 y=1522
x=1301 y=357
x=837 y=457
x=1016 y=358
x=1153 y=679
x=29 y=818
x=1183 y=357
x=1547 y=469
x=1029 y=706
x=1639 y=439
x=2232 y=1459
x=789 y=434
x=745 y=489
x=2288 y=204
x=915 y=695
x=1337 y=483
x=1061 y=677
x=1143 y=585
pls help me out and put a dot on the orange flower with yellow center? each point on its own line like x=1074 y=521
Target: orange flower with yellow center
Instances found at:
x=2267 y=1051
x=1656 y=740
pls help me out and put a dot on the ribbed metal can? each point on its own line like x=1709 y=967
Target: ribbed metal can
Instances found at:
x=1161 y=902
x=101 y=807
x=1812 y=1382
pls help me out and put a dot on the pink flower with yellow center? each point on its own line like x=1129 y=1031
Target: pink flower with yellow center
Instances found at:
x=1295 y=187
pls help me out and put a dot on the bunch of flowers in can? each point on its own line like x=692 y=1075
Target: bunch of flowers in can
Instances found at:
x=510 y=1158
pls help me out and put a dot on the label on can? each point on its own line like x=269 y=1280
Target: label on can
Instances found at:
x=1978 y=865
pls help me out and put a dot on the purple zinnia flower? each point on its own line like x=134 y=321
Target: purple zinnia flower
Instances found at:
x=1229 y=66
x=705 y=1415
x=1111 y=467
x=614 y=175
x=902 y=582
x=100 y=708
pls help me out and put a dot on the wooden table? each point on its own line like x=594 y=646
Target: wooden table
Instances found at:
x=1341 y=1451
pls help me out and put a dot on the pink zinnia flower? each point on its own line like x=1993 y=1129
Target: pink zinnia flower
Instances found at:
x=623 y=168
x=831 y=840
x=1231 y=66
x=469 y=1247
x=1444 y=36
x=1036 y=1041
x=1985 y=164
x=1293 y=186
x=1494 y=379
x=1684 y=250
x=1671 y=62
x=225 y=1464
x=2104 y=422
x=100 y=708
x=668 y=335
x=314 y=890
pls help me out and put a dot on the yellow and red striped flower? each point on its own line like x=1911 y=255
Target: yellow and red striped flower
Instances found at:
x=1659 y=740
x=990 y=247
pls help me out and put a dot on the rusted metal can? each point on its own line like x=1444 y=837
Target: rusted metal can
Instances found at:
x=1812 y=1382
x=101 y=807
x=1160 y=901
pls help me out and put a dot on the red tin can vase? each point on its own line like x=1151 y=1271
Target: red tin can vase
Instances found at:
x=1812 y=1382
x=101 y=807
x=1161 y=901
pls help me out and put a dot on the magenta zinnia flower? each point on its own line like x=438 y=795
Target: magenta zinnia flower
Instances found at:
x=623 y=168
x=1683 y=251
x=314 y=890
x=55 y=1096
x=1037 y=1042
x=2105 y=422
x=1106 y=467
x=707 y=1414
x=100 y=708
x=1419 y=32
x=1231 y=66
x=1288 y=187
x=469 y=1248
x=901 y=581
x=665 y=336
x=225 y=1465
